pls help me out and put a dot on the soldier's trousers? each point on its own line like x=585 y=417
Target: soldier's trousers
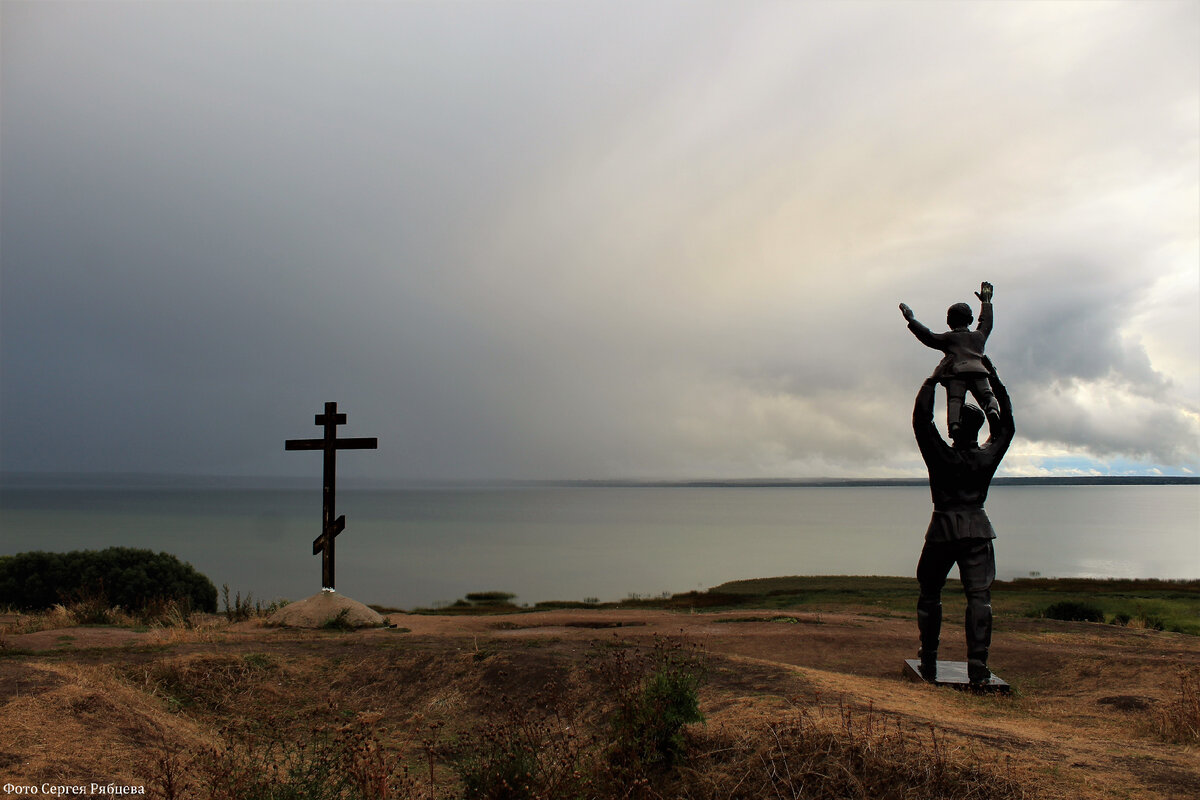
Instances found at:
x=977 y=568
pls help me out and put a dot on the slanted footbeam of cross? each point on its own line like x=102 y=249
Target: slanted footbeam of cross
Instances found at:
x=330 y=444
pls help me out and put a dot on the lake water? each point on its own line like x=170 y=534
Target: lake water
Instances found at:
x=425 y=546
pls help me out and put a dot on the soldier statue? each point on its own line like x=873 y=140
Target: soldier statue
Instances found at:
x=959 y=531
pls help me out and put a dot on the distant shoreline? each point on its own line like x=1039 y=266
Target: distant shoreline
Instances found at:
x=35 y=480
x=1098 y=480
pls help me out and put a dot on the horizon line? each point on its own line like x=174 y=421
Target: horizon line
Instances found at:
x=27 y=478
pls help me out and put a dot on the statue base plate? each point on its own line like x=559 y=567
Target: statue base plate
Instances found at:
x=954 y=675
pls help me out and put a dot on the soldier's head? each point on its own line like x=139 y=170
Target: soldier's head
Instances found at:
x=959 y=315
x=970 y=420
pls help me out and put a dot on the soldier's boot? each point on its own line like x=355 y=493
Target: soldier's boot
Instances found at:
x=977 y=671
x=979 y=636
x=929 y=625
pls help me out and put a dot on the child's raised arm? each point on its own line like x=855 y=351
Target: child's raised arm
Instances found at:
x=923 y=334
x=985 y=309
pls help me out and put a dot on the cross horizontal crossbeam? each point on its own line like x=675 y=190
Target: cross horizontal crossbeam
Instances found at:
x=363 y=443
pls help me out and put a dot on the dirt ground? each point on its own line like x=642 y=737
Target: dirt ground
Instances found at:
x=1080 y=722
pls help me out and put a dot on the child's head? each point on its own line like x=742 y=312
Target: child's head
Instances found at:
x=959 y=315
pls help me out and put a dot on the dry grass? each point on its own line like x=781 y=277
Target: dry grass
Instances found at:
x=815 y=754
x=59 y=718
x=207 y=710
x=90 y=611
x=58 y=617
x=201 y=631
x=213 y=683
x=1178 y=719
x=159 y=615
x=528 y=735
x=328 y=764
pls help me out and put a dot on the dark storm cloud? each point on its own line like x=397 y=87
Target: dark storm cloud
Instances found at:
x=588 y=240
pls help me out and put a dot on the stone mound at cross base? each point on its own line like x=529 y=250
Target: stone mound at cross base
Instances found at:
x=321 y=608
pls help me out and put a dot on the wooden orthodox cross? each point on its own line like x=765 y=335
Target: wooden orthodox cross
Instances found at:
x=330 y=527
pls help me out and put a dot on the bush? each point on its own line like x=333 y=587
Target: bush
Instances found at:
x=656 y=694
x=1074 y=611
x=239 y=610
x=549 y=747
x=530 y=749
x=491 y=598
x=117 y=576
x=505 y=767
x=340 y=622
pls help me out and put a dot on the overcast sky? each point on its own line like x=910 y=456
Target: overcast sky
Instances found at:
x=636 y=239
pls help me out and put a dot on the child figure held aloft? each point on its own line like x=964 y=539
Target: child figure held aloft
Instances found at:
x=963 y=367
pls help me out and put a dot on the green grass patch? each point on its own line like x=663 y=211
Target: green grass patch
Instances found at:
x=1152 y=604
x=259 y=660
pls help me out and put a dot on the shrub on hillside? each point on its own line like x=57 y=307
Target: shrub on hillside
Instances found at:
x=117 y=576
x=1074 y=611
x=656 y=693
x=490 y=598
x=548 y=746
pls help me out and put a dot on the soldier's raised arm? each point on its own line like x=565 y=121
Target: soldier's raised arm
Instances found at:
x=1006 y=426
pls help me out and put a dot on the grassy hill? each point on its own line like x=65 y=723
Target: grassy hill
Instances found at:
x=798 y=681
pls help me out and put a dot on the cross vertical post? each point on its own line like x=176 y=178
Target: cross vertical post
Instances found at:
x=329 y=444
